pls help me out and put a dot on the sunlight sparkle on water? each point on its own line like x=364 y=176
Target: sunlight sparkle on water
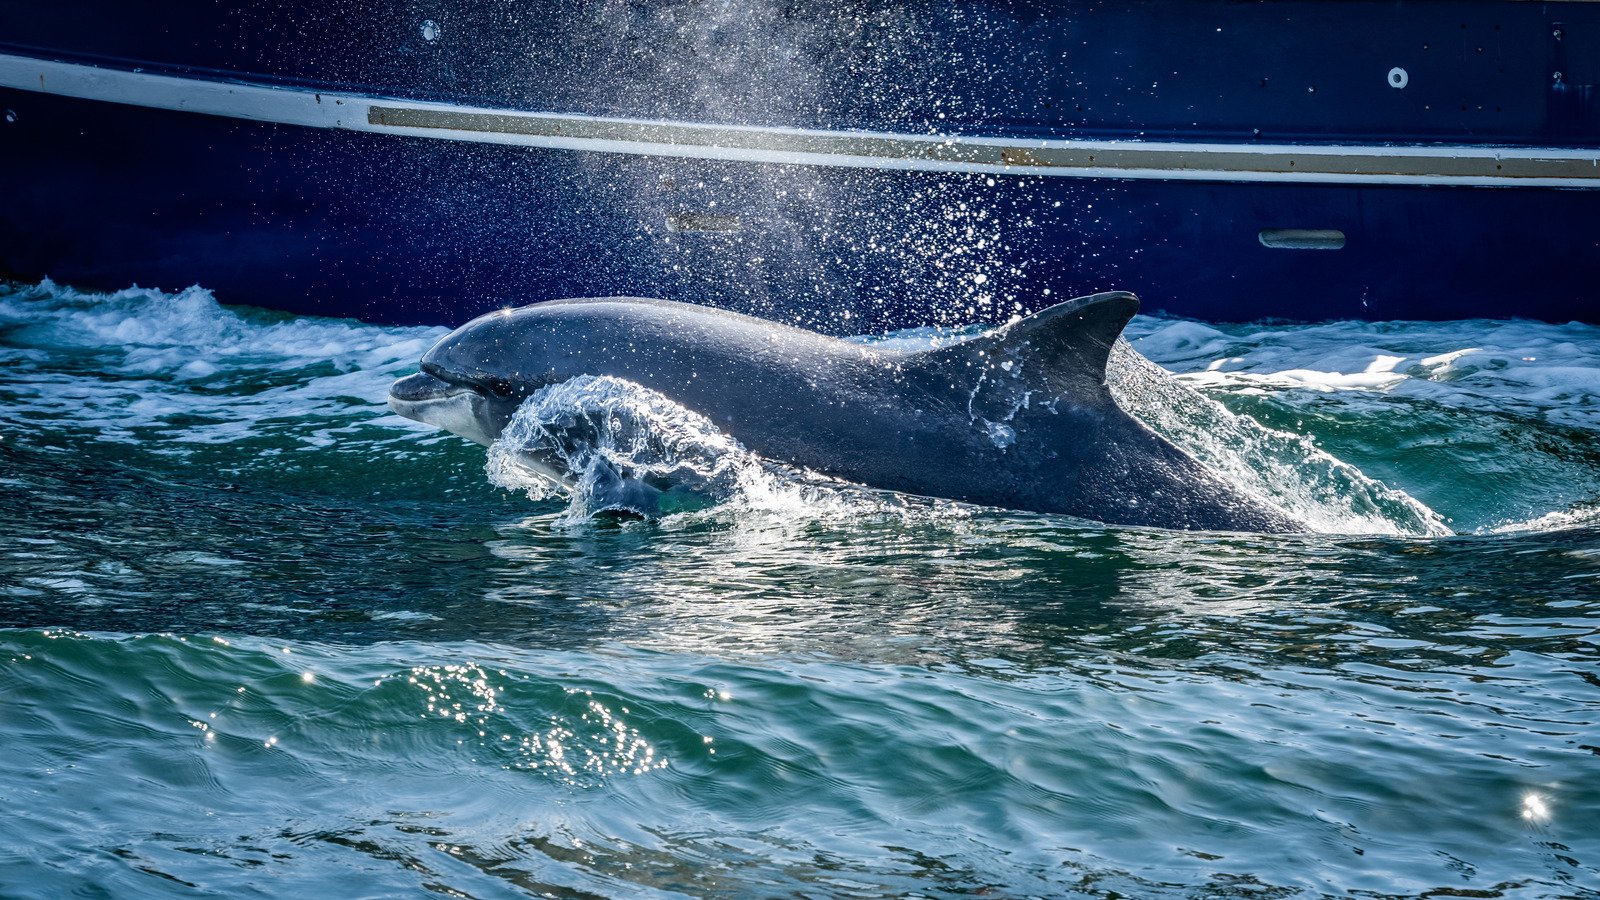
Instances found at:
x=1534 y=808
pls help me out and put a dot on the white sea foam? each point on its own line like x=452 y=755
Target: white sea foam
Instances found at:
x=1580 y=515
x=1520 y=400
x=1531 y=368
x=1285 y=470
x=190 y=371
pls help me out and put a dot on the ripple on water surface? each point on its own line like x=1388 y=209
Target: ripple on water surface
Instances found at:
x=262 y=636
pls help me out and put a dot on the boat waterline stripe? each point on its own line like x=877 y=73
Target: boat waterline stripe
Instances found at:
x=1442 y=164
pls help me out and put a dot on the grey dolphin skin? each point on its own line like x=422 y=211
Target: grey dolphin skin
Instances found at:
x=1019 y=417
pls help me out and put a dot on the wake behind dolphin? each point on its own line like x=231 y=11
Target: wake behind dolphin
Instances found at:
x=1019 y=417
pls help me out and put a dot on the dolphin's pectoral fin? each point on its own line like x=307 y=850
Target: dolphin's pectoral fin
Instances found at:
x=1067 y=345
x=610 y=490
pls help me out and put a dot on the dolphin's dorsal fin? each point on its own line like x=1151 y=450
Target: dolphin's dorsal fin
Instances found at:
x=1069 y=343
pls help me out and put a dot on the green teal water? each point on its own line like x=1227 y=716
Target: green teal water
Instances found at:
x=259 y=637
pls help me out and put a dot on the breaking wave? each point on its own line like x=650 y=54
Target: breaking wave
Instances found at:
x=179 y=370
x=1287 y=471
x=609 y=445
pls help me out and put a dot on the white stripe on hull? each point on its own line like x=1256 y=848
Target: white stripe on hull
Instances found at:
x=1444 y=164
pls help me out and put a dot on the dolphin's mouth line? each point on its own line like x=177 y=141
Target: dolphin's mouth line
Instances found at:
x=460 y=382
x=426 y=386
x=489 y=386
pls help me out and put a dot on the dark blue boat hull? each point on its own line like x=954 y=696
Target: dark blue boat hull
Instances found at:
x=1478 y=71
x=410 y=229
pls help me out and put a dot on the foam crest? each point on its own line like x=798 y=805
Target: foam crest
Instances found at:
x=1286 y=470
x=1533 y=368
x=1580 y=515
x=188 y=370
x=165 y=332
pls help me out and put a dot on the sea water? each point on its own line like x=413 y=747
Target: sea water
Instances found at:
x=259 y=636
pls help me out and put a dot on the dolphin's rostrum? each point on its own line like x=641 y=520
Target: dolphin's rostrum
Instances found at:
x=1019 y=417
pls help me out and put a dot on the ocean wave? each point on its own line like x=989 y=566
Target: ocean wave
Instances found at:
x=484 y=769
x=172 y=370
x=1539 y=369
x=1284 y=469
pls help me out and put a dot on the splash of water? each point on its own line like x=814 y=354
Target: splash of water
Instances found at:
x=608 y=444
x=188 y=335
x=1286 y=470
x=1584 y=514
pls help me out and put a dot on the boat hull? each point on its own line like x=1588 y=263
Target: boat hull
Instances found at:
x=435 y=210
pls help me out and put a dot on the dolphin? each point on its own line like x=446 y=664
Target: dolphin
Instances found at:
x=1019 y=417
